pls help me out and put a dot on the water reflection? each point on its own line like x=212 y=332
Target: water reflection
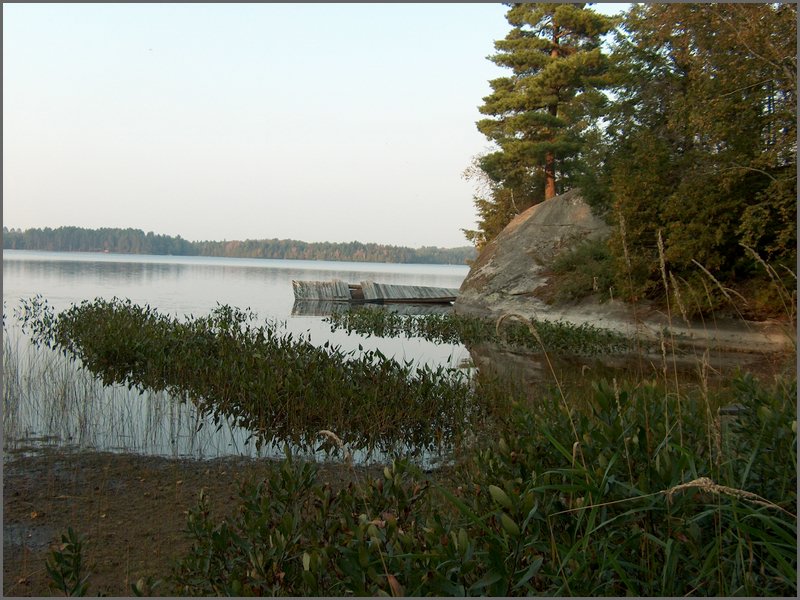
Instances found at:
x=49 y=401
x=193 y=284
x=325 y=308
x=531 y=372
x=190 y=285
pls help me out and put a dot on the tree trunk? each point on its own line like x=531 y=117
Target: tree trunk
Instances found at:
x=550 y=158
x=549 y=176
x=550 y=166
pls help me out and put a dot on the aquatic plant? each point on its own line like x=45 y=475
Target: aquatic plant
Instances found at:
x=558 y=337
x=276 y=386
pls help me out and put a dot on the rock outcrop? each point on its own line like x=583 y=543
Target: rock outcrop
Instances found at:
x=511 y=267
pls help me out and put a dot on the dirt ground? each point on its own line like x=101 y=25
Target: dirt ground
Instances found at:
x=130 y=509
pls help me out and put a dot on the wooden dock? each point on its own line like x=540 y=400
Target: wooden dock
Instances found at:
x=321 y=290
x=369 y=291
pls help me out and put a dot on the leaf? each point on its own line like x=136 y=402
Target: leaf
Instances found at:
x=509 y=525
x=464 y=509
x=485 y=581
x=532 y=570
x=566 y=453
x=499 y=496
x=397 y=589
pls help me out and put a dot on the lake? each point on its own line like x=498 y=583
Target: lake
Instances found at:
x=117 y=419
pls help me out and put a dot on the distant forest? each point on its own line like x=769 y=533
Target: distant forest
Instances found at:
x=135 y=241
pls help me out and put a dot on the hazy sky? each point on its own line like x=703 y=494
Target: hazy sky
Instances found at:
x=317 y=122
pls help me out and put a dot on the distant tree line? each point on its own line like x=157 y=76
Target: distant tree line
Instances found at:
x=135 y=241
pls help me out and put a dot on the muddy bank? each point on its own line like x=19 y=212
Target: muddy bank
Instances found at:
x=131 y=509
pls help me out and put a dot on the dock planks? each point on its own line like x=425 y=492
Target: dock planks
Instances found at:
x=369 y=291
x=321 y=290
x=384 y=292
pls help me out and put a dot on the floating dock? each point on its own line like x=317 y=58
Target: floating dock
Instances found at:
x=369 y=291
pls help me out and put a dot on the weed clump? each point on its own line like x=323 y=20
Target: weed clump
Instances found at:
x=275 y=386
x=607 y=501
x=583 y=270
x=450 y=328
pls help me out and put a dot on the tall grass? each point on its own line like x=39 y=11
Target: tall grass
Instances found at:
x=639 y=514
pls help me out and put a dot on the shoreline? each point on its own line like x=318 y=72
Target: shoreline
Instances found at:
x=722 y=335
x=131 y=509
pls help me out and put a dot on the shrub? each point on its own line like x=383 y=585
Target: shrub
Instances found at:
x=631 y=496
x=65 y=566
x=582 y=270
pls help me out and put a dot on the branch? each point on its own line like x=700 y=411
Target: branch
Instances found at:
x=792 y=76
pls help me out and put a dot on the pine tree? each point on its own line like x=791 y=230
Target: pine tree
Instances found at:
x=539 y=111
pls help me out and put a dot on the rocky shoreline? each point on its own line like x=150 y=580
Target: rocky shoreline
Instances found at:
x=641 y=322
x=510 y=272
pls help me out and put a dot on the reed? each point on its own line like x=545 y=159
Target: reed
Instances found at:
x=49 y=400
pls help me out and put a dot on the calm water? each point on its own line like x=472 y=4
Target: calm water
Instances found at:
x=194 y=285
x=119 y=420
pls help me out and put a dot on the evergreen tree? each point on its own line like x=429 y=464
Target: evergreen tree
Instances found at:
x=539 y=113
x=702 y=140
x=499 y=198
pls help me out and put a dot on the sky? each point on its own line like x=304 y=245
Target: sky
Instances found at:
x=313 y=122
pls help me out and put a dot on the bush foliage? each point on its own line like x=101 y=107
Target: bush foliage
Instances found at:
x=632 y=496
x=632 y=489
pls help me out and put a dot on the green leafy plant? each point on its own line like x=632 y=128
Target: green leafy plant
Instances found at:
x=146 y=586
x=558 y=337
x=278 y=387
x=66 y=566
x=605 y=500
x=584 y=269
x=629 y=488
